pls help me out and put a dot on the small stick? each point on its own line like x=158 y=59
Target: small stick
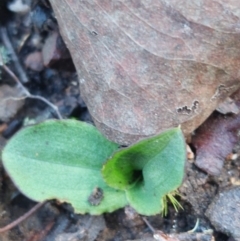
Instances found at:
x=22 y=218
x=25 y=91
x=37 y=97
x=148 y=224
x=7 y=43
x=157 y=234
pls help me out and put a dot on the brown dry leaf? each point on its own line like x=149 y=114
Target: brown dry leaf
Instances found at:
x=34 y=61
x=145 y=66
x=10 y=101
x=215 y=140
x=54 y=49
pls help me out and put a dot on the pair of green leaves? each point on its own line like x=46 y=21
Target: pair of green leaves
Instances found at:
x=71 y=161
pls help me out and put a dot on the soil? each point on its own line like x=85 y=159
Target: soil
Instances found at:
x=51 y=74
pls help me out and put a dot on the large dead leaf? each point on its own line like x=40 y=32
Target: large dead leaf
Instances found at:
x=145 y=66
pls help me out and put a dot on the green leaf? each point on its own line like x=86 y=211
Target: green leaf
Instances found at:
x=63 y=160
x=148 y=170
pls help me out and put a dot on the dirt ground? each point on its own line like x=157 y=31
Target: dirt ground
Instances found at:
x=37 y=55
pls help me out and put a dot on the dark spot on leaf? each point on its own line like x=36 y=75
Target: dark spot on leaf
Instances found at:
x=186 y=110
x=96 y=196
x=179 y=110
x=94 y=33
x=34 y=131
x=196 y=103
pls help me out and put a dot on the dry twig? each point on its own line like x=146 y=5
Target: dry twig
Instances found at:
x=22 y=218
x=25 y=91
x=7 y=43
